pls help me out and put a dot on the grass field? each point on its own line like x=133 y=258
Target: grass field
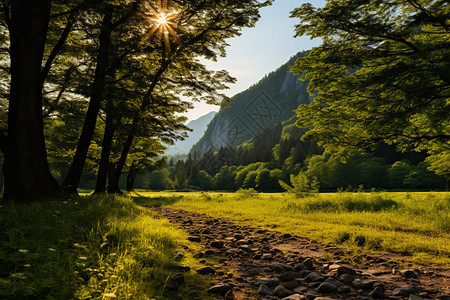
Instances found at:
x=412 y=224
x=95 y=247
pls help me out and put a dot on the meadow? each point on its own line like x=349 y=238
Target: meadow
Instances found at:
x=416 y=225
x=91 y=247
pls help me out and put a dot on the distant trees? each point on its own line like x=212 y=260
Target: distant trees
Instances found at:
x=227 y=169
x=381 y=75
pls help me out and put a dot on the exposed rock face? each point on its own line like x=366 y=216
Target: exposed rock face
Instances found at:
x=269 y=102
x=198 y=127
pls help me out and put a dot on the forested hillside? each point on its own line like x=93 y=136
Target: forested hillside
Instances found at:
x=278 y=153
x=269 y=102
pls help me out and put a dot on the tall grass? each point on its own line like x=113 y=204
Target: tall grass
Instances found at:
x=415 y=224
x=344 y=203
x=96 y=247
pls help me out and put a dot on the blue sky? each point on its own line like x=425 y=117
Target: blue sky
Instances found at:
x=261 y=49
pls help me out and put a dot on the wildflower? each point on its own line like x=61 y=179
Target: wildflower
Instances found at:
x=23 y=250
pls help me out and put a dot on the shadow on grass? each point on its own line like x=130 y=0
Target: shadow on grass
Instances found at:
x=156 y=201
x=91 y=247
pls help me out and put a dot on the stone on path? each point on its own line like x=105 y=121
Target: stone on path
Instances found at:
x=282 y=292
x=206 y=271
x=278 y=267
x=327 y=288
x=177 y=279
x=220 y=289
x=377 y=293
x=264 y=290
x=308 y=262
x=408 y=274
x=270 y=282
x=406 y=291
x=195 y=239
x=346 y=279
x=229 y=295
x=314 y=277
x=415 y=297
x=293 y=297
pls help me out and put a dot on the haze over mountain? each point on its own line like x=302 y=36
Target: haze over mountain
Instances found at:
x=271 y=101
x=198 y=127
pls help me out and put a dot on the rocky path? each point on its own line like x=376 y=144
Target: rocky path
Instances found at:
x=262 y=264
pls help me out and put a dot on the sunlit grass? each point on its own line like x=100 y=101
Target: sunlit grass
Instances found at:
x=96 y=247
x=414 y=224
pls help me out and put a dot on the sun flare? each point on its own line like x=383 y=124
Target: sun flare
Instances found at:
x=162 y=20
x=163 y=23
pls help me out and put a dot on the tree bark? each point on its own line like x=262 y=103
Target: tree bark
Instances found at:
x=73 y=177
x=26 y=170
x=113 y=185
x=100 y=186
x=131 y=178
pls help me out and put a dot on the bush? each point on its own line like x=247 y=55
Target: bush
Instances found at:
x=374 y=203
x=301 y=186
x=246 y=193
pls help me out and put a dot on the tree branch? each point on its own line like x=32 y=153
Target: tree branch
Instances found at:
x=58 y=46
x=6 y=12
x=427 y=13
x=69 y=12
x=117 y=63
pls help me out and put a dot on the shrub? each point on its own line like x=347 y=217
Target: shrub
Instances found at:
x=301 y=186
x=246 y=193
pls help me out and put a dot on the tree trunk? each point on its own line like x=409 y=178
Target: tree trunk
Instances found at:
x=131 y=178
x=113 y=185
x=26 y=170
x=100 y=186
x=73 y=177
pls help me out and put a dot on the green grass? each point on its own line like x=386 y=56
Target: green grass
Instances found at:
x=95 y=247
x=412 y=224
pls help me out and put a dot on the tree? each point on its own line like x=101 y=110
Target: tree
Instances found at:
x=397 y=173
x=26 y=171
x=159 y=180
x=201 y=180
x=224 y=180
x=37 y=39
x=266 y=182
x=73 y=177
x=381 y=74
x=250 y=180
x=180 y=175
x=301 y=185
x=191 y=31
x=421 y=178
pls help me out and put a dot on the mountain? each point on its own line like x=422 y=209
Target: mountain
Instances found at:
x=198 y=127
x=271 y=101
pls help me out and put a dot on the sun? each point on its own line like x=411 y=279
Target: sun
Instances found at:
x=162 y=20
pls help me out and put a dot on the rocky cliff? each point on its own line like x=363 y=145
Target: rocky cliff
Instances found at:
x=198 y=127
x=271 y=101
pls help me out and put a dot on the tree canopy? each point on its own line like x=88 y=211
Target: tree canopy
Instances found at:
x=381 y=75
x=79 y=67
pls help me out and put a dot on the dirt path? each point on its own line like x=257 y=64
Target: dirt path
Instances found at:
x=262 y=264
